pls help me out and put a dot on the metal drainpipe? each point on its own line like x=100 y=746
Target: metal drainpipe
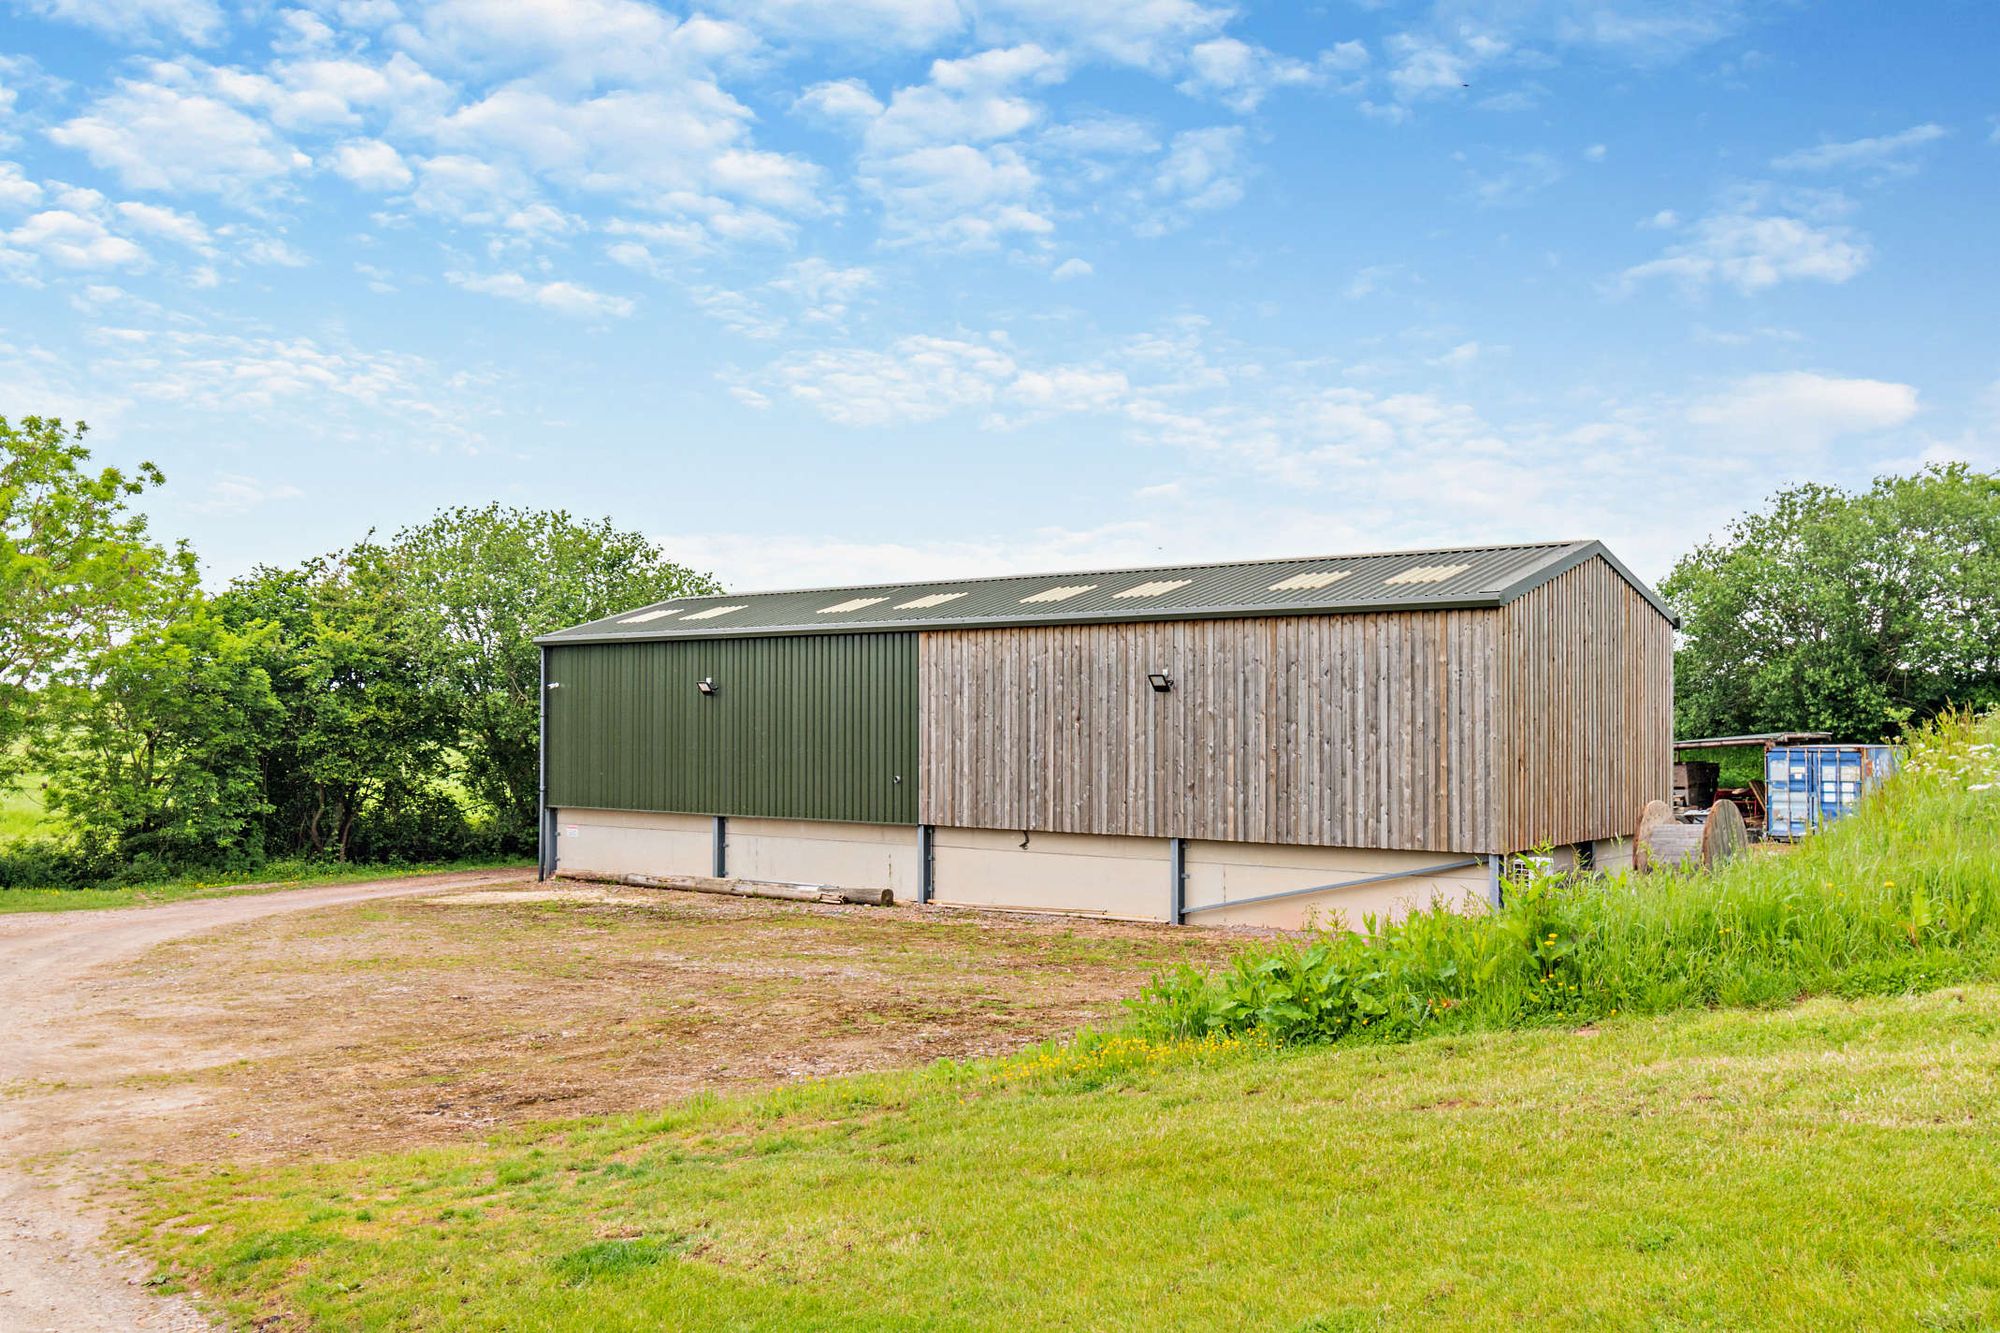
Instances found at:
x=542 y=839
x=926 y=862
x=1176 y=881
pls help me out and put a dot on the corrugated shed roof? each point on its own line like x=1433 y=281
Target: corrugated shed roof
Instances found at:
x=1470 y=576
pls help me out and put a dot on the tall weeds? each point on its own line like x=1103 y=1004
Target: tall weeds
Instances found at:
x=1904 y=894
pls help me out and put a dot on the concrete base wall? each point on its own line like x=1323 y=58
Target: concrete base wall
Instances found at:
x=634 y=842
x=1089 y=874
x=1607 y=856
x=1085 y=874
x=802 y=851
x=797 y=851
x=1221 y=873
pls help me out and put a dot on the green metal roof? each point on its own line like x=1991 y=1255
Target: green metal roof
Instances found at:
x=1440 y=579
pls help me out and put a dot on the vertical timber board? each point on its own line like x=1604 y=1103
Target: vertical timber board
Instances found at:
x=803 y=727
x=1586 y=703
x=1371 y=730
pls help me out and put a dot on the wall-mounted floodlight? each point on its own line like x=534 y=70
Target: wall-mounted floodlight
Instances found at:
x=1160 y=681
x=706 y=685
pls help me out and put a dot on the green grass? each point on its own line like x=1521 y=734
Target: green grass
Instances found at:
x=1834 y=1165
x=268 y=878
x=21 y=812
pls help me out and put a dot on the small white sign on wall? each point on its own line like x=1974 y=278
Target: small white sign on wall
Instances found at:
x=571 y=830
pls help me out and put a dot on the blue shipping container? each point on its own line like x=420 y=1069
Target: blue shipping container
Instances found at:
x=1809 y=786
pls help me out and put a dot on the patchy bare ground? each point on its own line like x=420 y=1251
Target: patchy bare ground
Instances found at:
x=402 y=1021
x=409 y=1012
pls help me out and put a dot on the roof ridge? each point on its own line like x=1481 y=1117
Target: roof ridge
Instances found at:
x=1553 y=547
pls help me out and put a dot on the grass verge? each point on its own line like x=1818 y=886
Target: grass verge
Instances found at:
x=269 y=878
x=1832 y=1165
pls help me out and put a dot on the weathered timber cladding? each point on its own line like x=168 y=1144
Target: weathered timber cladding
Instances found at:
x=1371 y=730
x=803 y=727
x=1546 y=721
x=1585 y=708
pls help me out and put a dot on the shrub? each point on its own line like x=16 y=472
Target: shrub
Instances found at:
x=1905 y=893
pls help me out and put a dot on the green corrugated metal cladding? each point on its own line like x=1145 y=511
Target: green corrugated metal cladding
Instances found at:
x=808 y=727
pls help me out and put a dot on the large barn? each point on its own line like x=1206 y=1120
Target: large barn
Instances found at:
x=1268 y=742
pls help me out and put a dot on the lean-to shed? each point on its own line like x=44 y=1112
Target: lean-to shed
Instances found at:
x=1259 y=741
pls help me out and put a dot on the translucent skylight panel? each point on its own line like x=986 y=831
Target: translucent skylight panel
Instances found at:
x=851 y=604
x=928 y=600
x=712 y=612
x=645 y=616
x=1060 y=594
x=1312 y=579
x=1427 y=574
x=1155 y=588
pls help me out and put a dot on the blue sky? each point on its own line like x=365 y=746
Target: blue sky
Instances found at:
x=903 y=288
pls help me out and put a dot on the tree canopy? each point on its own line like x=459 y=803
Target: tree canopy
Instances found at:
x=1844 y=612
x=376 y=703
x=482 y=584
x=78 y=569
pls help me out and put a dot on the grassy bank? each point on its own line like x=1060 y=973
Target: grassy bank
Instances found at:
x=1833 y=1165
x=268 y=878
x=1903 y=895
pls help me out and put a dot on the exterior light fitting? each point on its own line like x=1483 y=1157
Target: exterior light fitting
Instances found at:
x=706 y=685
x=1160 y=681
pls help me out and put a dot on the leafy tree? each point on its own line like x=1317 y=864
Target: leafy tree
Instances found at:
x=483 y=583
x=77 y=568
x=367 y=720
x=1842 y=612
x=158 y=764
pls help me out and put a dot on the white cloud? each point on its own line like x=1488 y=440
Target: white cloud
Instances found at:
x=635 y=144
x=16 y=190
x=1069 y=389
x=823 y=291
x=750 y=561
x=1803 y=410
x=1517 y=178
x=233 y=493
x=1071 y=269
x=1147 y=33
x=183 y=228
x=71 y=240
x=370 y=164
x=274 y=251
x=198 y=21
x=938 y=154
x=902 y=24
x=841 y=101
x=973 y=100
x=326 y=93
x=470 y=189
x=155 y=137
x=919 y=378
x=1241 y=74
x=581 y=42
x=959 y=196
x=1464 y=45
x=1889 y=153
x=565 y=298
x=1753 y=251
x=1202 y=171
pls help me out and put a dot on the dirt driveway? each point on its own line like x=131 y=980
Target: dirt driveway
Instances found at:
x=350 y=1018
